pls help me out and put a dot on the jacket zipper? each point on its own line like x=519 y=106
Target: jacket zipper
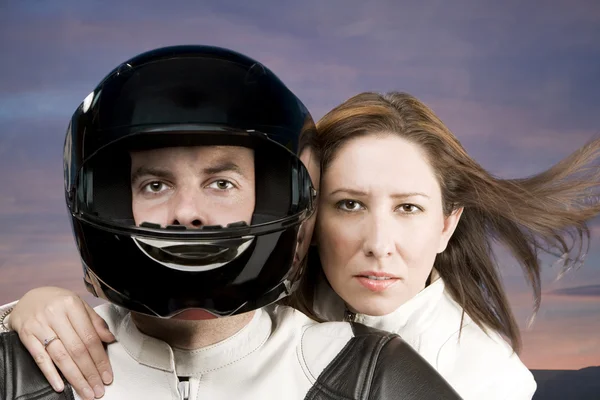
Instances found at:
x=184 y=390
x=349 y=316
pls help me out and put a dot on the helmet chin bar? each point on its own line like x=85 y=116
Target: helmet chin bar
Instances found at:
x=193 y=256
x=100 y=289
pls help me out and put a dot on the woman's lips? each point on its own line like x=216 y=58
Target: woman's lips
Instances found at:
x=376 y=281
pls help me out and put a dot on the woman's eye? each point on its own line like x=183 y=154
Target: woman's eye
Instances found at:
x=409 y=208
x=221 y=184
x=349 y=205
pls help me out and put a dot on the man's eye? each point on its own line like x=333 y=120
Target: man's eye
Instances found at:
x=349 y=205
x=155 y=187
x=222 y=184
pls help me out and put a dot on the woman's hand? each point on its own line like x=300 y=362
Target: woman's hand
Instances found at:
x=73 y=333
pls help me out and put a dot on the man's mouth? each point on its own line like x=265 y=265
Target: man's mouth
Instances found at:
x=194 y=315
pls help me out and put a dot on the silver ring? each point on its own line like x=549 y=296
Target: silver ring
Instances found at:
x=48 y=341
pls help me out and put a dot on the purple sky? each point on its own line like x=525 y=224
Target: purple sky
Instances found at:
x=517 y=81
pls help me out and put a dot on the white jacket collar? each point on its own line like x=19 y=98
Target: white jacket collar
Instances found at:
x=158 y=354
x=411 y=318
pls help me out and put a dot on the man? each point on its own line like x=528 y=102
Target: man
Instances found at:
x=186 y=200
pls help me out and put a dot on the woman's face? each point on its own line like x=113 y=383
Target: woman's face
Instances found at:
x=381 y=222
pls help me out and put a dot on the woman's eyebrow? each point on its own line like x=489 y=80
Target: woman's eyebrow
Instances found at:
x=358 y=193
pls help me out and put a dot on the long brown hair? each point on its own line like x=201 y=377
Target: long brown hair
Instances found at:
x=546 y=212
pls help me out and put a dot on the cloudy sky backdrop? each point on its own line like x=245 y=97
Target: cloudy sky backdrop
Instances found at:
x=517 y=81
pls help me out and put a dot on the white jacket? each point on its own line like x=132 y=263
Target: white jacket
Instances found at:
x=278 y=355
x=147 y=368
x=479 y=366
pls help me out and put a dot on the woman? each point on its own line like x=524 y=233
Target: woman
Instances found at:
x=410 y=251
x=404 y=234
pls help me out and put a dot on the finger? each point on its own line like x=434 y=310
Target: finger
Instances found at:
x=57 y=354
x=42 y=358
x=86 y=329
x=63 y=360
x=101 y=327
x=65 y=363
x=76 y=345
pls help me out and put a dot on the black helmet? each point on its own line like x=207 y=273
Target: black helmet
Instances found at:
x=187 y=96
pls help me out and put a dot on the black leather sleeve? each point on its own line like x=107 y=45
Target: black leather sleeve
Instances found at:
x=20 y=377
x=379 y=365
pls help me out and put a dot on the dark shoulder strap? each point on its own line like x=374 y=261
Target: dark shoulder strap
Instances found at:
x=379 y=365
x=20 y=377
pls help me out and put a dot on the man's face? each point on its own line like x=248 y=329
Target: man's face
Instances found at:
x=193 y=186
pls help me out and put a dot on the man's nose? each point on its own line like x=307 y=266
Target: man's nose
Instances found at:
x=187 y=209
x=379 y=236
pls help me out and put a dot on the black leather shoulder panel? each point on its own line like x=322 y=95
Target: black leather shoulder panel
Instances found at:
x=20 y=377
x=379 y=365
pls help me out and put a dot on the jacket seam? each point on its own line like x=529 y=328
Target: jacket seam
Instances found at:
x=307 y=372
x=368 y=382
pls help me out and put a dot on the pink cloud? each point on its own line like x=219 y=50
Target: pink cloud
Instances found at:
x=33 y=190
x=565 y=339
x=595 y=231
x=471 y=120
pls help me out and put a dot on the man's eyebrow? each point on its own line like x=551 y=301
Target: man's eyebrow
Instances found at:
x=226 y=166
x=142 y=171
